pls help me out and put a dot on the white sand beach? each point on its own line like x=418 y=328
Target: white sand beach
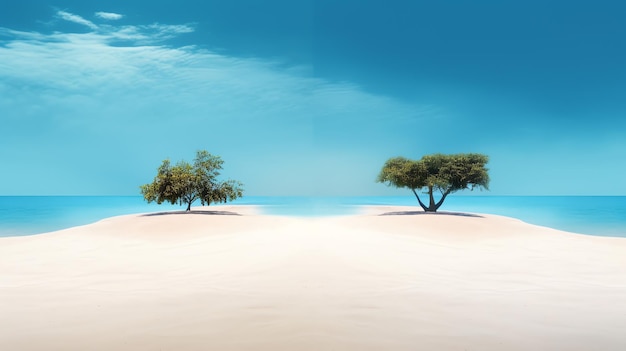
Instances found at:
x=392 y=278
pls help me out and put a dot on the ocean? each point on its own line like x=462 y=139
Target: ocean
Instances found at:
x=594 y=215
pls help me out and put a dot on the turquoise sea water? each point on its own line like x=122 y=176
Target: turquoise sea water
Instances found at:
x=595 y=215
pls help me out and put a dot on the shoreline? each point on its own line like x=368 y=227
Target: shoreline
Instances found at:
x=362 y=210
x=218 y=280
x=604 y=216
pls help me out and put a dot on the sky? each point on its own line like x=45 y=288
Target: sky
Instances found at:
x=311 y=97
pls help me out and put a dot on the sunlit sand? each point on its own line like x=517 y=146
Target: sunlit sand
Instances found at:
x=389 y=278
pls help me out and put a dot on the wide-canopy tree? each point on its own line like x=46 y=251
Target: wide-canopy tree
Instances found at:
x=185 y=183
x=437 y=172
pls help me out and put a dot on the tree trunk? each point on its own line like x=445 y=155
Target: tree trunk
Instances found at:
x=432 y=207
x=188 y=206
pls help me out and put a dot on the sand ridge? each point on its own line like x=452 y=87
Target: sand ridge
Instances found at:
x=389 y=278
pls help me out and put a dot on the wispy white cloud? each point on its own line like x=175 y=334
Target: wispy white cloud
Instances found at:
x=146 y=34
x=135 y=34
x=119 y=87
x=70 y=17
x=109 y=16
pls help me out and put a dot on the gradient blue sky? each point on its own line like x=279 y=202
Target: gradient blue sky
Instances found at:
x=311 y=97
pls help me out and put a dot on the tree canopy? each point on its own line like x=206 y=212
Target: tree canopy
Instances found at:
x=437 y=172
x=185 y=183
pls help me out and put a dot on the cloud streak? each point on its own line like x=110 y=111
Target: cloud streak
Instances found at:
x=109 y=16
x=76 y=19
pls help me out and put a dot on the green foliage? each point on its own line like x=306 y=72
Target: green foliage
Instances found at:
x=185 y=183
x=445 y=173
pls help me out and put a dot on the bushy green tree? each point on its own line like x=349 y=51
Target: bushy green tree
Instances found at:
x=185 y=183
x=437 y=172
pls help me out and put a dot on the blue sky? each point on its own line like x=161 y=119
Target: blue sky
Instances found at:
x=311 y=97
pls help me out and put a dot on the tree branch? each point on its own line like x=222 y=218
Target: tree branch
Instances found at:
x=443 y=197
x=419 y=200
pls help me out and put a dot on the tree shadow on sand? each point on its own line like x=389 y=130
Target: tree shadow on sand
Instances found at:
x=192 y=212
x=416 y=213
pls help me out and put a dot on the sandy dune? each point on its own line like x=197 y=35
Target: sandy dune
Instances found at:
x=228 y=278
